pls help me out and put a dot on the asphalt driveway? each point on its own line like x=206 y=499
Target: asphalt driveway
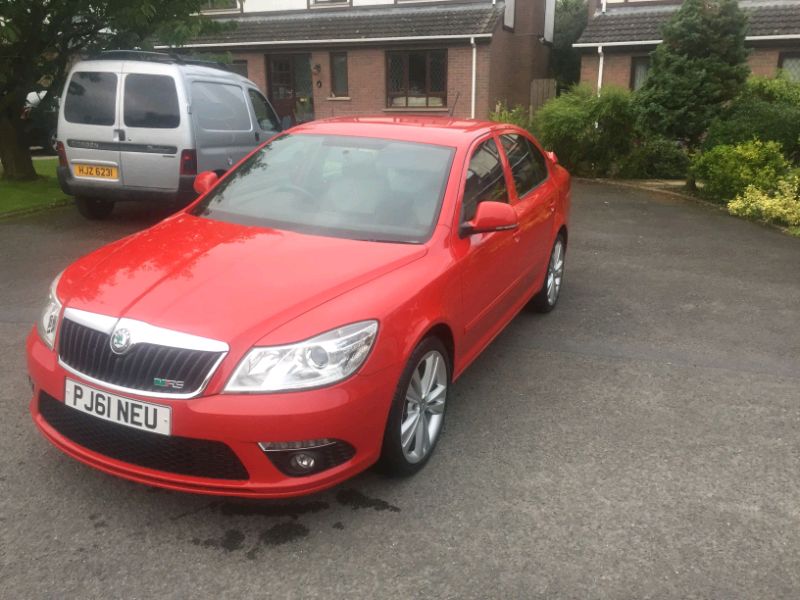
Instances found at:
x=641 y=441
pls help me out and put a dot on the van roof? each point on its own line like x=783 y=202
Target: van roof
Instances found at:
x=188 y=65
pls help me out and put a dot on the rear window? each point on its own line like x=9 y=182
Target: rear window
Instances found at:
x=91 y=98
x=220 y=106
x=151 y=101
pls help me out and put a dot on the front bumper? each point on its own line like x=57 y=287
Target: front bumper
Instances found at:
x=354 y=411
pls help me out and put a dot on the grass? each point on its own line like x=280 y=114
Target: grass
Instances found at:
x=24 y=196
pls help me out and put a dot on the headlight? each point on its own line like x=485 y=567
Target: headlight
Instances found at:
x=322 y=360
x=48 y=321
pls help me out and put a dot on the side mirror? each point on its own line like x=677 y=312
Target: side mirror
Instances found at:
x=490 y=216
x=552 y=156
x=205 y=181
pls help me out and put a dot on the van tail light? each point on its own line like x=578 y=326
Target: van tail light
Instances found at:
x=62 y=154
x=188 y=162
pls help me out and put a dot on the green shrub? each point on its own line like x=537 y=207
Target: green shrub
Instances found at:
x=655 y=158
x=519 y=115
x=589 y=133
x=781 y=207
x=726 y=171
x=768 y=110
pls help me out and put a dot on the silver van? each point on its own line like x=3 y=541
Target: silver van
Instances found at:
x=140 y=126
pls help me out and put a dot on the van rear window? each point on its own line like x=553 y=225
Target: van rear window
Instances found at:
x=91 y=98
x=151 y=101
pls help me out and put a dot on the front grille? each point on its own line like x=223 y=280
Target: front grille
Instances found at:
x=172 y=454
x=88 y=351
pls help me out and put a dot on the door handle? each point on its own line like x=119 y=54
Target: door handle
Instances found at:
x=120 y=134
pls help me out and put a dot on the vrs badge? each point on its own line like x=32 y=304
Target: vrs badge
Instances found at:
x=172 y=384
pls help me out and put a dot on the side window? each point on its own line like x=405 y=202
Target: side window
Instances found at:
x=220 y=106
x=151 y=101
x=485 y=179
x=91 y=98
x=267 y=119
x=527 y=163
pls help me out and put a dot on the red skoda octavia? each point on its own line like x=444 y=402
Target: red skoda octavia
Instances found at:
x=306 y=316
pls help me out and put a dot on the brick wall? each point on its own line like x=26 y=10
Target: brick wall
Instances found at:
x=764 y=61
x=617 y=68
x=518 y=56
x=366 y=73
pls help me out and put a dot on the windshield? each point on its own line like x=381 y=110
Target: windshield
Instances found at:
x=341 y=186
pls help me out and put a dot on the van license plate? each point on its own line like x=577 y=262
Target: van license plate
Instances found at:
x=146 y=416
x=96 y=171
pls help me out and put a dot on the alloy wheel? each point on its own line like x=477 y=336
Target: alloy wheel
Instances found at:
x=423 y=411
x=555 y=272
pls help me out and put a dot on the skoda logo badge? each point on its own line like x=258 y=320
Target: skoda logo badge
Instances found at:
x=120 y=341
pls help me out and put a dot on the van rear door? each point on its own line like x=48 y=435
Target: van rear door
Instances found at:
x=154 y=128
x=89 y=124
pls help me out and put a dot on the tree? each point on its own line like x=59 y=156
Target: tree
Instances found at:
x=40 y=38
x=700 y=66
x=565 y=61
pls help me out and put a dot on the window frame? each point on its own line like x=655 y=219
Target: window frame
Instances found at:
x=790 y=54
x=328 y=3
x=334 y=92
x=428 y=94
x=502 y=158
x=535 y=147
x=639 y=58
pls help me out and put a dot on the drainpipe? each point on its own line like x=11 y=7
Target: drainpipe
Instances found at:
x=474 y=76
x=600 y=69
x=604 y=5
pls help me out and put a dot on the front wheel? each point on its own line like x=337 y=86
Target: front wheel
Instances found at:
x=417 y=413
x=94 y=208
x=545 y=300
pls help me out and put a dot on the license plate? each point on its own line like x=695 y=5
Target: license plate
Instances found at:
x=97 y=171
x=146 y=416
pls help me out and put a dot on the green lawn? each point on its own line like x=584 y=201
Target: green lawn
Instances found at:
x=31 y=195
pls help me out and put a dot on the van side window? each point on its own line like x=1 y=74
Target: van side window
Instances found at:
x=267 y=119
x=151 y=101
x=91 y=98
x=220 y=107
x=485 y=179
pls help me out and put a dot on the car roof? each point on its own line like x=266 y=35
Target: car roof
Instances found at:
x=155 y=68
x=440 y=130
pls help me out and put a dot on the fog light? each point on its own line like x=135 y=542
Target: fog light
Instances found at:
x=302 y=461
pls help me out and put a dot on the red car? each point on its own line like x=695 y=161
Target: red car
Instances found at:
x=307 y=315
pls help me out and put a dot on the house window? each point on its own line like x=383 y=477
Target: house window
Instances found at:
x=339 y=74
x=790 y=64
x=416 y=79
x=312 y=3
x=240 y=67
x=640 y=67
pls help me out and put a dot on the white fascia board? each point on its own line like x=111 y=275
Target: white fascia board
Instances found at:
x=749 y=38
x=415 y=38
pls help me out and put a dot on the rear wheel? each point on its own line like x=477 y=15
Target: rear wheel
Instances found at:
x=545 y=300
x=94 y=208
x=417 y=414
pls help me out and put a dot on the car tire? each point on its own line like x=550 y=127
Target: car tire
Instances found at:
x=408 y=443
x=546 y=299
x=94 y=209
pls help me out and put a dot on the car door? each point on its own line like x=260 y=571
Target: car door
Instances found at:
x=267 y=123
x=151 y=133
x=533 y=195
x=89 y=123
x=491 y=262
x=223 y=126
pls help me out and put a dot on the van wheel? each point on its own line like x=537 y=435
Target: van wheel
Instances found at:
x=94 y=208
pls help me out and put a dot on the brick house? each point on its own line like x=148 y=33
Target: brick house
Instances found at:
x=616 y=43
x=322 y=58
